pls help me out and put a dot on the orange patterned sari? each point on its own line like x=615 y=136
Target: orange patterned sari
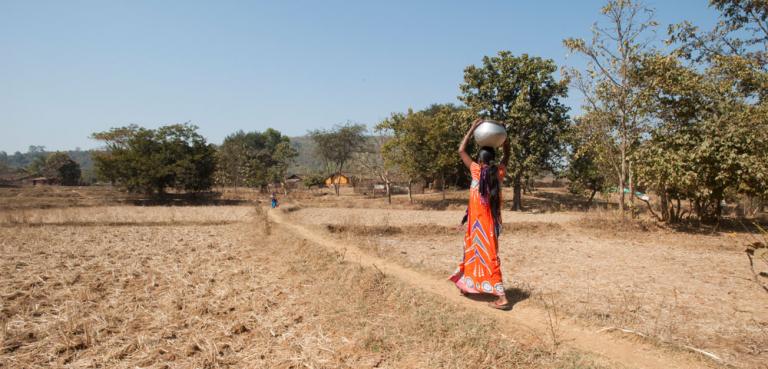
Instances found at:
x=480 y=269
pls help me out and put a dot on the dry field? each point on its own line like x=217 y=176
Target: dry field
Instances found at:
x=57 y=197
x=683 y=291
x=218 y=287
x=110 y=285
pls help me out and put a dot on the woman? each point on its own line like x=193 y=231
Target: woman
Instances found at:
x=480 y=269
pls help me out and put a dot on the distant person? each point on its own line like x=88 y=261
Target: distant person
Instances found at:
x=274 y=200
x=480 y=270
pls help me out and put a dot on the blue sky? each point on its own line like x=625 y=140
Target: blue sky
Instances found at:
x=70 y=68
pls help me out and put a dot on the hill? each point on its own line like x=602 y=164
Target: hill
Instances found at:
x=307 y=161
x=22 y=160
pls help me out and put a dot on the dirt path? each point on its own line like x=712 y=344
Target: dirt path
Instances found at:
x=524 y=323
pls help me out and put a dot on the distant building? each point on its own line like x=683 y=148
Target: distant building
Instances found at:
x=41 y=181
x=339 y=179
x=293 y=178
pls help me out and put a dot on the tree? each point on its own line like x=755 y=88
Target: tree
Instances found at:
x=337 y=146
x=4 y=167
x=406 y=149
x=254 y=159
x=421 y=145
x=522 y=92
x=371 y=160
x=37 y=165
x=711 y=140
x=150 y=161
x=446 y=126
x=191 y=160
x=585 y=168
x=709 y=143
x=742 y=31
x=612 y=98
x=62 y=168
x=314 y=180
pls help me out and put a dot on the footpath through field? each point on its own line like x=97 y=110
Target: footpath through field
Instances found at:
x=526 y=324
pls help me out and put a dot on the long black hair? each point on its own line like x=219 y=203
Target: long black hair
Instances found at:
x=489 y=186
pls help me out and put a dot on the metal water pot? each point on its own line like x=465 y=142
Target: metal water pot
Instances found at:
x=490 y=133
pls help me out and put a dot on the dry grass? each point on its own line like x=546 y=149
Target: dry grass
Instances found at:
x=125 y=216
x=214 y=296
x=419 y=218
x=688 y=290
x=611 y=221
x=57 y=197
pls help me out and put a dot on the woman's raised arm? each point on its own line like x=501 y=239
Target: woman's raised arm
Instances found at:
x=464 y=142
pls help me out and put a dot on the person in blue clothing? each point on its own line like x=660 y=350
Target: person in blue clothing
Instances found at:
x=274 y=200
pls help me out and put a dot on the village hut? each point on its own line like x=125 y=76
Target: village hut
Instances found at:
x=339 y=179
x=42 y=181
x=293 y=181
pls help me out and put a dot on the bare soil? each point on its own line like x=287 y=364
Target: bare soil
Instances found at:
x=244 y=293
x=88 y=279
x=685 y=290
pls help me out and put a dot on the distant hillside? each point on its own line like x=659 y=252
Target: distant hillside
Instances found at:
x=22 y=160
x=307 y=161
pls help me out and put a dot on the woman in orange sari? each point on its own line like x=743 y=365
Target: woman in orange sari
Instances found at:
x=480 y=269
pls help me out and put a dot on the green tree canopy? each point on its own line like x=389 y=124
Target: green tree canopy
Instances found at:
x=612 y=102
x=711 y=140
x=523 y=93
x=152 y=160
x=254 y=159
x=586 y=169
x=742 y=31
x=422 y=145
x=338 y=145
x=61 y=167
x=406 y=149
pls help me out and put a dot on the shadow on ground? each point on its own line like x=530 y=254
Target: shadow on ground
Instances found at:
x=514 y=296
x=725 y=225
x=442 y=204
x=194 y=199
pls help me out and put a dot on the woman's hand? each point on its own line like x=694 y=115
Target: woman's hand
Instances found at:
x=475 y=123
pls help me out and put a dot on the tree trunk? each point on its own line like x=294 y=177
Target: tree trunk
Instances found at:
x=517 y=200
x=442 y=184
x=591 y=197
x=389 y=193
x=665 y=212
x=718 y=209
x=631 y=190
x=338 y=178
x=410 y=195
x=622 y=176
x=335 y=182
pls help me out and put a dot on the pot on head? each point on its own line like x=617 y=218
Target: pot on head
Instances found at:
x=490 y=133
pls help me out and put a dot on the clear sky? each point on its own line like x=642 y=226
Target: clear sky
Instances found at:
x=69 y=68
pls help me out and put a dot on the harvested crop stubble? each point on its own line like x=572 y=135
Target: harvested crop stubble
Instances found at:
x=126 y=215
x=688 y=289
x=223 y=296
x=387 y=217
